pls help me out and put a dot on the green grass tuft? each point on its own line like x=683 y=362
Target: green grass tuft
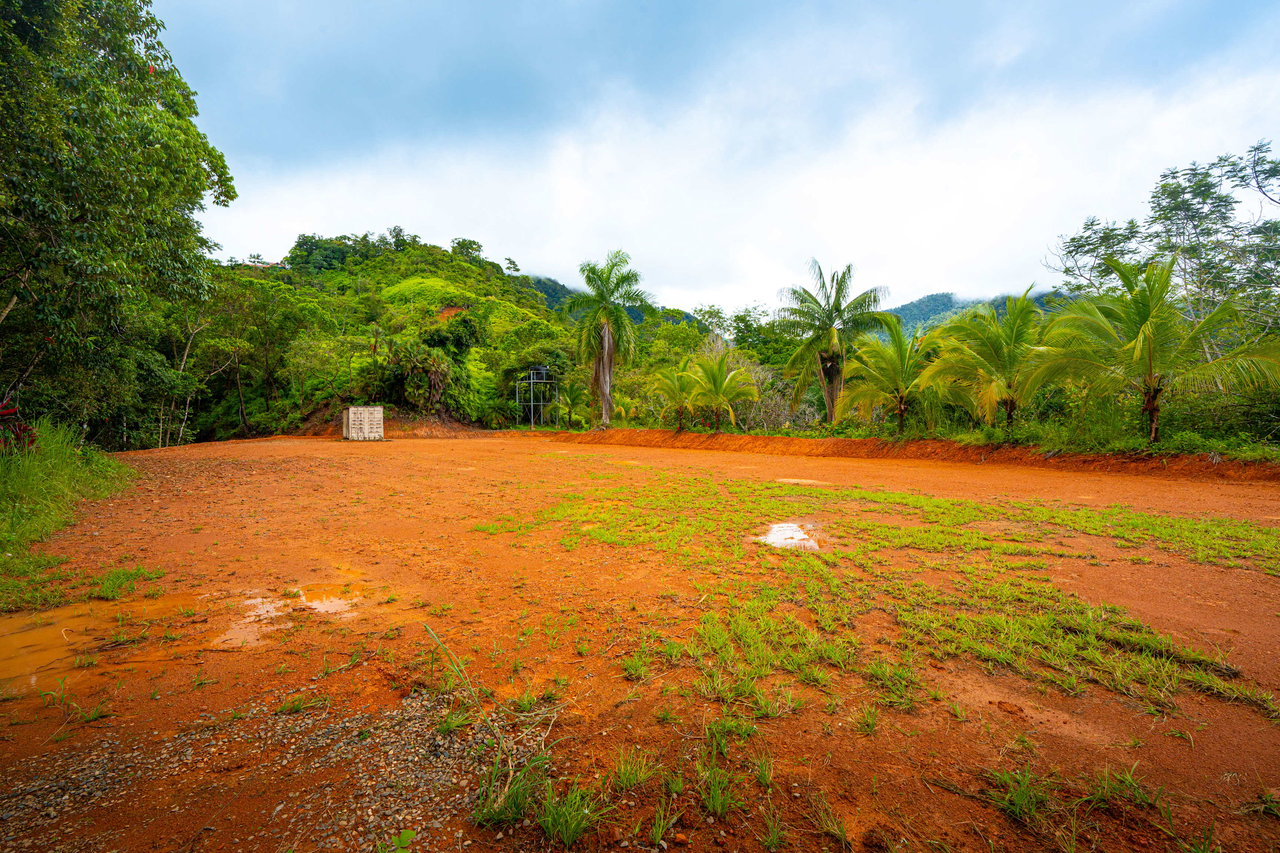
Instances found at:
x=39 y=489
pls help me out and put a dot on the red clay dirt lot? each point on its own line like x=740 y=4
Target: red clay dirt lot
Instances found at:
x=277 y=687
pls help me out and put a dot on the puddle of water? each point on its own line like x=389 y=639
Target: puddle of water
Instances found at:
x=261 y=613
x=44 y=647
x=327 y=598
x=789 y=535
x=38 y=648
x=262 y=609
x=795 y=481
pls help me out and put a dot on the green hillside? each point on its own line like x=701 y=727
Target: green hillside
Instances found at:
x=936 y=308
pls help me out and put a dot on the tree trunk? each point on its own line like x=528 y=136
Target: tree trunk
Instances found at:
x=604 y=373
x=902 y=416
x=831 y=374
x=1151 y=405
x=1009 y=405
x=18 y=383
x=186 y=411
x=12 y=302
x=244 y=420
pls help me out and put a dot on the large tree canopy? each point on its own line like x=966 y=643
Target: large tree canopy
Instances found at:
x=1218 y=220
x=102 y=173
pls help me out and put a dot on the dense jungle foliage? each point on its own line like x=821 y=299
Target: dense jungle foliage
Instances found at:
x=115 y=320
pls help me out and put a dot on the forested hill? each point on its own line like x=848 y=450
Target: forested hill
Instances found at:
x=554 y=292
x=372 y=318
x=936 y=308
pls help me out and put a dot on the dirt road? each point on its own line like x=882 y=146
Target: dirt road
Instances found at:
x=254 y=695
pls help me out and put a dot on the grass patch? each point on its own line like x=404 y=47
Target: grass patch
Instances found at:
x=1019 y=793
x=770 y=613
x=118 y=582
x=505 y=796
x=39 y=489
x=717 y=790
x=566 y=817
x=664 y=817
x=635 y=767
x=298 y=704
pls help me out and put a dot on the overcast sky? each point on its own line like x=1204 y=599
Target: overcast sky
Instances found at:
x=936 y=146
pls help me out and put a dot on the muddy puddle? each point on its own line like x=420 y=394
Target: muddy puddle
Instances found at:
x=789 y=535
x=36 y=649
x=262 y=614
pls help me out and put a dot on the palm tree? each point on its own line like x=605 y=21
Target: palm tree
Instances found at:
x=678 y=387
x=1140 y=340
x=993 y=356
x=719 y=388
x=572 y=401
x=826 y=321
x=606 y=334
x=886 y=373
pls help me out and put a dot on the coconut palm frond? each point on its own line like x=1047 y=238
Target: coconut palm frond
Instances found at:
x=826 y=319
x=886 y=373
x=1142 y=339
x=720 y=387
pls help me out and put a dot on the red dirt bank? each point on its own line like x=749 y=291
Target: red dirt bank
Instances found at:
x=1199 y=467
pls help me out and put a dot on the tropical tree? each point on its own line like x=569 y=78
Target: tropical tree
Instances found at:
x=825 y=319
x=719 y=387
x=678 y=388
x=1140 y=340
x=886 y=373
x=572 y=403
x=992 y=356
x=103 y=174
x=606 y=334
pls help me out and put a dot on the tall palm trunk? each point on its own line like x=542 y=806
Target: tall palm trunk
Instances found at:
x=604 y=373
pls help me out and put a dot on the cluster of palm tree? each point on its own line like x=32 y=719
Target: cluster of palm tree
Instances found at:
x=988 y=362
x=708 y=383
x=607 y=337
x=1136 y=340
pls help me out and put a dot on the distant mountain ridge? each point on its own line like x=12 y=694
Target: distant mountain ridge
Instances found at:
x=937 y=308
x=556 y=294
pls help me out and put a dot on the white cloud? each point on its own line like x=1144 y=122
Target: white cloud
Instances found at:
x=724 y=196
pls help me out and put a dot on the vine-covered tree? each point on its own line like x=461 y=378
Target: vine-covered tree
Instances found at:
x=606 y=334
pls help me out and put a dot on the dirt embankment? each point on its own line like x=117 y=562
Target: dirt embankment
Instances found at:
x=330 y=425
x=1200 y=467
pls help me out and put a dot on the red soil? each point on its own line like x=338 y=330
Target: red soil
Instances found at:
x=388 y=530
x=1200 y=467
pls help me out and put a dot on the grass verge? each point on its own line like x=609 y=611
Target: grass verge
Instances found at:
x=39 y=489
